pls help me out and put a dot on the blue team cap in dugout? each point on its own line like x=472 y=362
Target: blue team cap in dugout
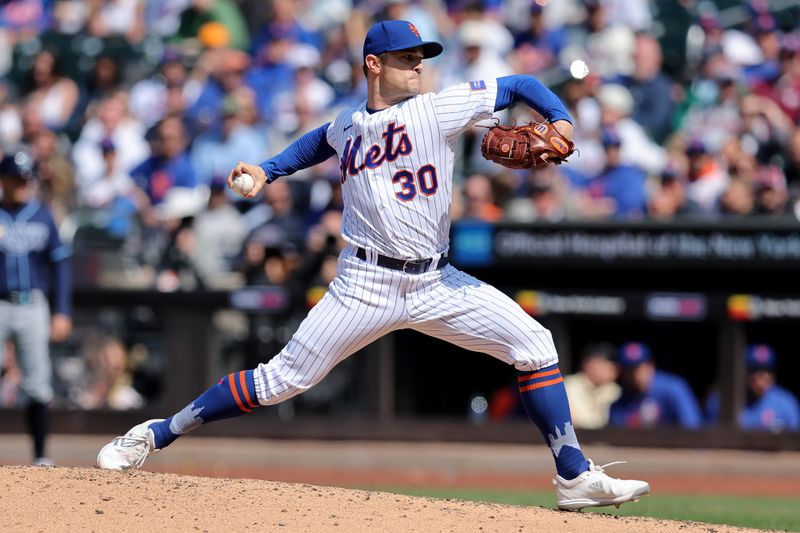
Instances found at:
x=633 y=353
x=394 y=35
x=760 y=357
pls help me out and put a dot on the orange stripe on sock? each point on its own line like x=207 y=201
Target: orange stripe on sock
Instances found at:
x=553 y=372
x=232 y=385
x=541 y=384
x=244 y=390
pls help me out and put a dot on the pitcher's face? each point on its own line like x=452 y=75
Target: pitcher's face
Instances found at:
x=400 y=72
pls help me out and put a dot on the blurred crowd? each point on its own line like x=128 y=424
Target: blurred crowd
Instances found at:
x=137 y=110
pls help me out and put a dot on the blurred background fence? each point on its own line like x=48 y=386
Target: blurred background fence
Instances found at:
x=697 y=294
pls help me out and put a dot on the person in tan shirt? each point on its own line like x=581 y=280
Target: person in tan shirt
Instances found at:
x=593 y=388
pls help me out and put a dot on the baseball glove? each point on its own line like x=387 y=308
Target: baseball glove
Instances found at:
x=528 y=146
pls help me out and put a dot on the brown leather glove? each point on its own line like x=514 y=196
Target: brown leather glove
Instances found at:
x=528 y=146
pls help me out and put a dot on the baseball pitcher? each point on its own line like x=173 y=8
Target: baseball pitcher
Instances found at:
x=397 y=152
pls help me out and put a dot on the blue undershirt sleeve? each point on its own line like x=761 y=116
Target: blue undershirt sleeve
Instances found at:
x=529 y=90
x=60 y=271
x=62 y=297
x=307 y=151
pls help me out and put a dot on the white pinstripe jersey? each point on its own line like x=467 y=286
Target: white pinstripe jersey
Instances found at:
x=396 y=167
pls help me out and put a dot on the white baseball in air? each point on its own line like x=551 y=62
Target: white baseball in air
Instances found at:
x=243 y=184
x=579 y=69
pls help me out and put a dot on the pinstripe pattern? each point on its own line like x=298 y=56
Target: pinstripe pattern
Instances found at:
x=365 y=301
x=471 y=314
x=374 y=218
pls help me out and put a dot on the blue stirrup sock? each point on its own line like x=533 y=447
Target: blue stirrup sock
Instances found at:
x=542 y=392
x=545 y=399
x=234 y=395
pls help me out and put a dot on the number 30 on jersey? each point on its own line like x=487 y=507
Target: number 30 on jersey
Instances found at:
x=407 y=184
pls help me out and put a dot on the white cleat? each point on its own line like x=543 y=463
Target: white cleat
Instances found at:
x=594 y=488
x=130 y=450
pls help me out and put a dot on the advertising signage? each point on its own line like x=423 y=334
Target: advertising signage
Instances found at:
x=642 y=244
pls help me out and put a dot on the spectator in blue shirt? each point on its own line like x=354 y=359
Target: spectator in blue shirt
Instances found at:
x=624 y=184
x=169 y=166
x=538 y=45
x=768 y=406
x=651 y=397
x=650 y=87
x=228 y=75
x=217 y=151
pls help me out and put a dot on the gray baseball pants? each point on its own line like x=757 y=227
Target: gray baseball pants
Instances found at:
x=28 y=326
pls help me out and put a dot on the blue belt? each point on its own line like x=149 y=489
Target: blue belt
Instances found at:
x=413 y=266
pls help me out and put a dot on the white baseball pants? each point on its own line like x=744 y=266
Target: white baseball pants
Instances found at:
x=365 y=302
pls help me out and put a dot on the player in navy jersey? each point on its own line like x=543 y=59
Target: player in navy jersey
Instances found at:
x=768 y=406
x=33 y=263
x=651 y=397
x=396 y=153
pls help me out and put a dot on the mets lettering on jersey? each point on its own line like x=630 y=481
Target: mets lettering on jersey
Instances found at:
x=375 y=155
x=396 y=166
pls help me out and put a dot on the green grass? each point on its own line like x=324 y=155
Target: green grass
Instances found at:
x=762 y=513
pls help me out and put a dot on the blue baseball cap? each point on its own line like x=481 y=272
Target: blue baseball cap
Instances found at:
x=394 y=35
x=633 y=354
x=760 y=357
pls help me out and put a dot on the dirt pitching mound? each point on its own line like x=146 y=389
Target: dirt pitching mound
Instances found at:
x=89 y=499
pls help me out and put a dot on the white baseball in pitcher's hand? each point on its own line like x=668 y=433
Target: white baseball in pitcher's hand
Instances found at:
x=243 y=184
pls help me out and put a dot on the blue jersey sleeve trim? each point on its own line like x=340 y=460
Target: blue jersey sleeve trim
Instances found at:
x=529 y=90
x=307 y=151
